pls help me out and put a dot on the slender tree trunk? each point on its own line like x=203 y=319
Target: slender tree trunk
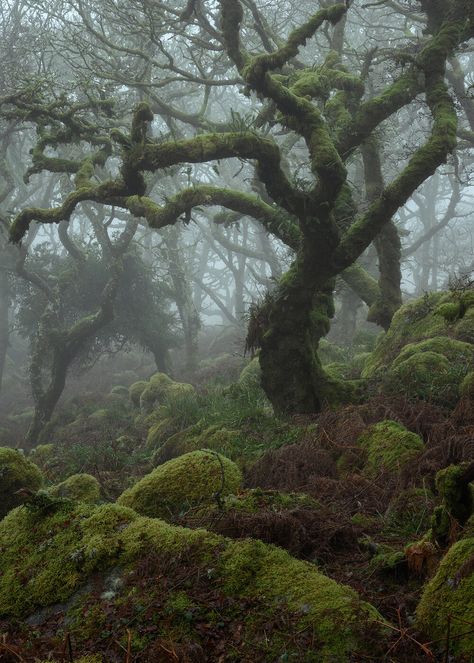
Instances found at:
x=47 y=401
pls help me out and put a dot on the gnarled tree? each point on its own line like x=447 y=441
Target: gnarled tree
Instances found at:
x=333 y=110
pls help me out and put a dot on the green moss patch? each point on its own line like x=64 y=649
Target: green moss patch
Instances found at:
x=389 y=446
x=17 y=473
x=80 y=487
x=450 y=594
x=183 y=482
x=441 y=323
x=188 y=587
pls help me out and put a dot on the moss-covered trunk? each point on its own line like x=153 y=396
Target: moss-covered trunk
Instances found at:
x=296 y=318
x=46 y=401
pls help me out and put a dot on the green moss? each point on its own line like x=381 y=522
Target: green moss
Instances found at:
x=450 y=594
x=363 y=520
x=464 y=328
x=252 y=569
x=426 y=375
x=439 y=322
x=251 y=376
x=254 y=500
x=336 y=370
x=80 y=487
x=456 y=351
x=159 y=433
x=16 y=473
x=46 y=559
x=466 y=388
x=458 y=501
x=387 y=559
x=183 y=482
x=358 y=362
x=412 y=322
x=161 y=387
x=136 y=390
x=389 y=445
x=449 y=310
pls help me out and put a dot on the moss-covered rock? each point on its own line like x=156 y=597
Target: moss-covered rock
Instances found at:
x=46 y=559
x=425 y=375
x=389 y=446
x=457 y=501
x=17 y=473
x=457 y=352
x=80 y=487
x=428 y=349
x=154 y=391
x=251 y=376
x=136 y=390
x=183 y=482
x=450 y=595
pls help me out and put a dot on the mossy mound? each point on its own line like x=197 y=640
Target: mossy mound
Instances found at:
x=251 y=376
x=457 y=501
x=389 y=446
x=47 y=558
x=181 y=483
x=160 y=388
x=431 y=369
x=17 y=473
x=136 y=390
x=80 y=487
x=155 y=390
x=428 y=349
x=450 y=596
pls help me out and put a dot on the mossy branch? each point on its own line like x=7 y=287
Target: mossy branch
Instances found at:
x=271 y=218
x=261 y=64
x=424 y=161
